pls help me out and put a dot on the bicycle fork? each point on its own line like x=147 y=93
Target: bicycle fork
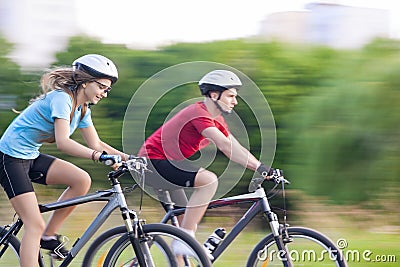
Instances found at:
x=135 y=231
x=139 y=242
x=280 y=235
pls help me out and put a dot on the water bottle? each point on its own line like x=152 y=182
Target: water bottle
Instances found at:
x=214 y=239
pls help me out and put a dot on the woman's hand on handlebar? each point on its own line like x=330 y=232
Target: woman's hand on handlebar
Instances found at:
x=114 y=161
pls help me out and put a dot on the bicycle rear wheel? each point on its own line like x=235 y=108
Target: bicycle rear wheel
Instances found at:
x=308 y=248
x=9 y=252
x=158 y=240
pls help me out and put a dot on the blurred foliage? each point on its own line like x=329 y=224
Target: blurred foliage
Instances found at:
x=347 y=134
x=14 y=86
x=336 y=111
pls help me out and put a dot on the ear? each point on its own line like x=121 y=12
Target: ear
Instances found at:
x=214 y=95
x=84 y=85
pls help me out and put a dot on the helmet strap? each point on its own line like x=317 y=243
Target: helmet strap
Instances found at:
x=219 y=95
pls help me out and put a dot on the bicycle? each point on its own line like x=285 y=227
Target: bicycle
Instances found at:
x=147 y=245
x=284 y=246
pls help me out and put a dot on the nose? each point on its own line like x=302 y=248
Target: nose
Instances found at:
x=235 y=102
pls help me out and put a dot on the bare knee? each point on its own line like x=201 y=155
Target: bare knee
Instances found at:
x=35 y=227
x=205 y=178
x=83 y=183
x=79 y=182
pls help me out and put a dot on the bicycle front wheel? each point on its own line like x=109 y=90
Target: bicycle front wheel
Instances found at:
x=98 y=250
x=306 y=248
x=157 y=247
x=9 y=251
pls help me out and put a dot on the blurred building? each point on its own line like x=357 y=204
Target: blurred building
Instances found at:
x=291 y=26
x=334 y=25
x=37 y=28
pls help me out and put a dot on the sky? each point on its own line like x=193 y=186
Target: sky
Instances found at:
x=159 y=22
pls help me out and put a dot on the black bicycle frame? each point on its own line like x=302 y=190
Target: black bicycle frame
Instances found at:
x=260 y=204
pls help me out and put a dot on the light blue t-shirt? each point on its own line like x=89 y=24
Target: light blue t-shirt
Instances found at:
x=25 y=135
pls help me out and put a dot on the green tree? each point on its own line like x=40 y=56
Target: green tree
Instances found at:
x=347 y=134
x=15 y=88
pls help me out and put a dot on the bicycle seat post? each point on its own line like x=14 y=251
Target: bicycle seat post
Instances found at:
x=165 y=198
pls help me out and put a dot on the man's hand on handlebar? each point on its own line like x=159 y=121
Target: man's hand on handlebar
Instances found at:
x=270 y=174
x=266 y=172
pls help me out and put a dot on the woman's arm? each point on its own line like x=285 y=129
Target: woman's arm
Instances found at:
x=92 y=139
x=73 y=148
x=67 y=145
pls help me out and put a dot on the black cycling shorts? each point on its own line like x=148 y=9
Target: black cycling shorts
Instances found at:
x=172 y=176
x=180 y=173
x=17 y=175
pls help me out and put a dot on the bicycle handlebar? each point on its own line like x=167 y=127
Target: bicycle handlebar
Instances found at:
x=276 y=178
x=137 y=164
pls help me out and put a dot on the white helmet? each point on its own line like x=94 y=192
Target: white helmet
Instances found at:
x=219 y=80
x=98 y=66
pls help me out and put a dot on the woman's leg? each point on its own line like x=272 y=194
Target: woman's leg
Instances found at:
x=205 y=184
x=26 y=206
x=78 y=181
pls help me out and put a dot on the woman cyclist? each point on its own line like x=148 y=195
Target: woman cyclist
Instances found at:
x=187 y=132
x=53 y=117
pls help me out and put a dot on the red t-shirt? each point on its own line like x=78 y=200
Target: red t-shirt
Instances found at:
x=180 y=137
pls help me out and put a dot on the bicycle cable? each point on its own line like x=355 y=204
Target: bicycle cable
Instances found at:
x=284 y=204
x=272 y=193
x=142 y=180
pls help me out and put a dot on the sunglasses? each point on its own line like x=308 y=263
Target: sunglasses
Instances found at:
x=104 y=87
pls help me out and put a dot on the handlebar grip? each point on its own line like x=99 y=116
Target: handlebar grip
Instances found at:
x=109 y=162
x=276 y=178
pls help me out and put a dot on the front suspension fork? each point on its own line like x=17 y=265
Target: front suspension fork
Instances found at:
x=281 y=237
x=138 y=239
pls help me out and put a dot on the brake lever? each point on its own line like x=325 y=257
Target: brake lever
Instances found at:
x=280 y=179
x=137 y=164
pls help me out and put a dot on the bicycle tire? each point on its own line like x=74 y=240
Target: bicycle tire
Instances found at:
x=308 y=248
x=161 y=235
x=10 y=257
x=98 y=250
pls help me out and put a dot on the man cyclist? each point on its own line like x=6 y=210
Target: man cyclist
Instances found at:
x=187 y=132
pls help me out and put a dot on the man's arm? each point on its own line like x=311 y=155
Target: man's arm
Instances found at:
x=231 y=148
